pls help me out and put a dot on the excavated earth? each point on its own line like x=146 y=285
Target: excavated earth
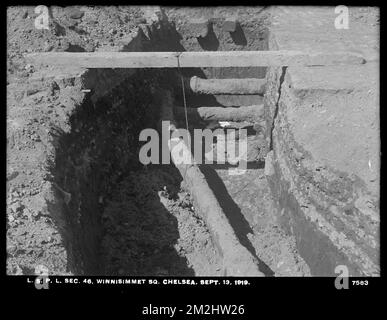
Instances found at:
x=80 y=202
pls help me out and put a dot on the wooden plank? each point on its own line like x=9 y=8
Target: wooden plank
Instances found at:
x=192 y=59
x=228 y=86
x=253 y=113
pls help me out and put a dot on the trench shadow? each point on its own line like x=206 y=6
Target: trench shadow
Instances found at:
x=238 y=36
x=224 y=166
x=83 y=238
x=156 y=230
x=80 y=233
x=167 y=257
x=75 y=48
x=210 y=42
x=168 y=39
x=233 y=214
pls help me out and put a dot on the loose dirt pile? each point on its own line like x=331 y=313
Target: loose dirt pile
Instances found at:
x=70 y=29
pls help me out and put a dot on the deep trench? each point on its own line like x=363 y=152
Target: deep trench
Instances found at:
x=117 y=222
x=125 y=218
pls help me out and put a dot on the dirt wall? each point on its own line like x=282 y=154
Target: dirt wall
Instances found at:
x=323 y=130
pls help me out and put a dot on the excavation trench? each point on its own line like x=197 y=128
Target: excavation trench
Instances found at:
x=126 y=218
x=91 y=207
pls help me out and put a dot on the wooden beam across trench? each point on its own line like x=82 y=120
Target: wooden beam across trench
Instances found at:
x=193 y=59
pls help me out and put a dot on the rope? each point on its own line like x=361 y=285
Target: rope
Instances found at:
x=185 y=106
x=182 y=86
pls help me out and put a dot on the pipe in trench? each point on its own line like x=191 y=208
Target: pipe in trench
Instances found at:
x=254 y=113
x=228 y=86
x=237 y=260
